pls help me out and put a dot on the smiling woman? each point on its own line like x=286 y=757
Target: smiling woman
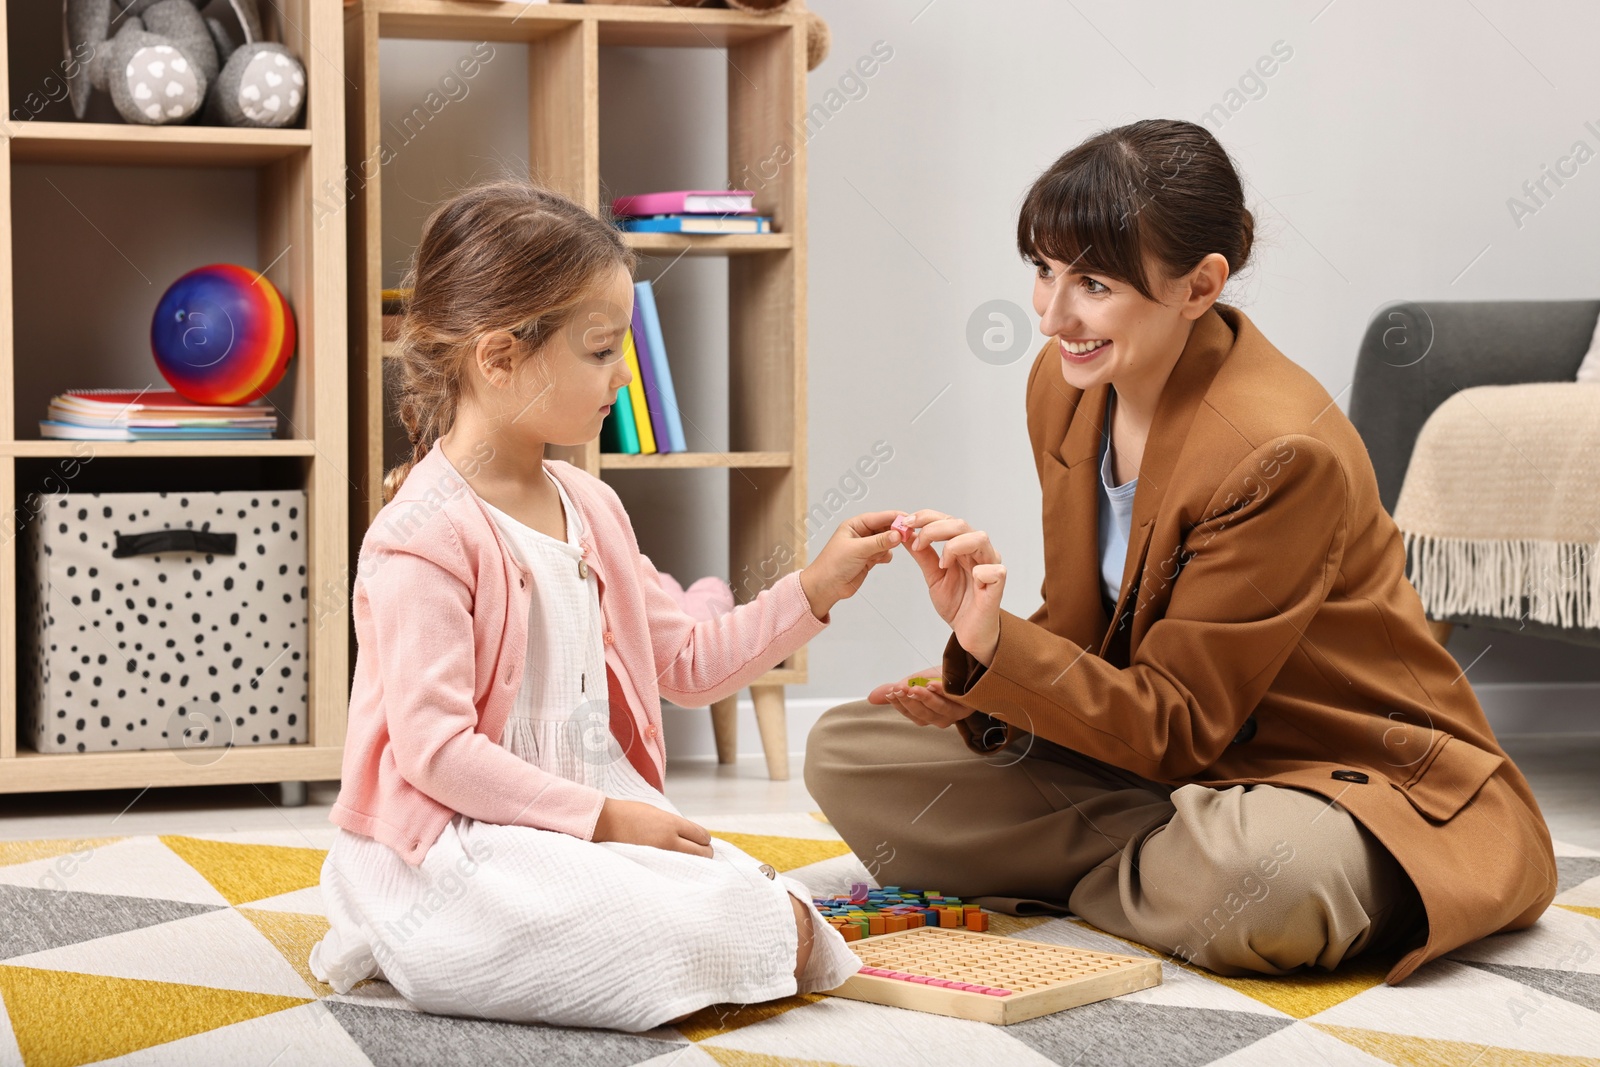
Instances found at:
x=1229 y=659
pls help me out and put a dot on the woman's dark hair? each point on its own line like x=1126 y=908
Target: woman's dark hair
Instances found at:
x=1161 y=185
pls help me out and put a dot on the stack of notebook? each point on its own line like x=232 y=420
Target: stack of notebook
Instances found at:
x=645 y=420
x=150 y=414
x=691 y=211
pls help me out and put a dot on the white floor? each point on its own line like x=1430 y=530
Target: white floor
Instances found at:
x=1563 y=769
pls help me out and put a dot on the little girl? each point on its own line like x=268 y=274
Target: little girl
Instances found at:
x=504 y=848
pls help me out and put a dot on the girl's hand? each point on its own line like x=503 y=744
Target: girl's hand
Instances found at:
x=858 y=545
x=925 y=703
x=965 y=585
x=639 y=823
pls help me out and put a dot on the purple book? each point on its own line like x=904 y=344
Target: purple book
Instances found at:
x=652 y=390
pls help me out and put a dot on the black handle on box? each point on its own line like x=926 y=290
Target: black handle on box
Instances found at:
x=143 y=544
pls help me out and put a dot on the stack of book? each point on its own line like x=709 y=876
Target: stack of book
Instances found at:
x=691 y=211
x=645 y=420
x=151 y=414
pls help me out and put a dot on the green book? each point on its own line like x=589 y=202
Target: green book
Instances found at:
x=619 y=433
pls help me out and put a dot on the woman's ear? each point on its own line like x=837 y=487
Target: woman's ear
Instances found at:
x=493 y=357
x=1204 y=285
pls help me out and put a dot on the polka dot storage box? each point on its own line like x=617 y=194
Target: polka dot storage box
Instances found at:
x=164 y=620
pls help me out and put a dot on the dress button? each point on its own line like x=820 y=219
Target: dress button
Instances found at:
x=766 y=869
x=1350 y=776
x=610 y=638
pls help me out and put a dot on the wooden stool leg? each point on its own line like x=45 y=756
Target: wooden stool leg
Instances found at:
x=1441 y=631
x=725 y=727
x=773 y=724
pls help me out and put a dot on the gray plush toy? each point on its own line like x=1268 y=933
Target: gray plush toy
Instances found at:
x=167 y=61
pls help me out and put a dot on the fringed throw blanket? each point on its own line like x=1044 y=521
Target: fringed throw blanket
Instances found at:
x=1501 y=502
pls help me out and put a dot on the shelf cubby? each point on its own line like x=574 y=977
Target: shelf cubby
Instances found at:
x=266 y=185
x=759 y=447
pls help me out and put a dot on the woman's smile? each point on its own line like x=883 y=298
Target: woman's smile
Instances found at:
x=1081 y=352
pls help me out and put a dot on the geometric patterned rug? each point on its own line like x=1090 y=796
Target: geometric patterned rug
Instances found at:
x=192 y=950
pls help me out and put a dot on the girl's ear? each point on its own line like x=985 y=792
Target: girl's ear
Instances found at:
x=492 y=356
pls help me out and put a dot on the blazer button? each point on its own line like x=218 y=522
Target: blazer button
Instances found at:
x=1246 y=732
x=650 y=731
x=610 y=638
x=522 y=582
x=1350 y=776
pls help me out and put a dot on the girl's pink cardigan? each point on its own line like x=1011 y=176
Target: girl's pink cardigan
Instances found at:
x=441 y=615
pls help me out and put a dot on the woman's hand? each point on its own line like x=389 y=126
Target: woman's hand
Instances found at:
x=924 y=703
x=858 y=545
x=965 y=584
x=639 y=823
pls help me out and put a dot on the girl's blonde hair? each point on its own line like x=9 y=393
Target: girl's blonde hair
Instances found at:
x=501 y=255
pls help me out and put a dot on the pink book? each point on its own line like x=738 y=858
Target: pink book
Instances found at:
x=687 y=202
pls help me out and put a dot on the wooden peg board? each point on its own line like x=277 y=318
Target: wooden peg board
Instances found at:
x=1040 y=978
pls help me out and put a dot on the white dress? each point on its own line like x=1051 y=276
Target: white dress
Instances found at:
x=527 y=925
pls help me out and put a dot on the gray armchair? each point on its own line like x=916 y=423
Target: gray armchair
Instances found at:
x=1416 y=354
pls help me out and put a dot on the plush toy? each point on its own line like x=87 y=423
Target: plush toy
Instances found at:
x=167 y=62
x=706 y=598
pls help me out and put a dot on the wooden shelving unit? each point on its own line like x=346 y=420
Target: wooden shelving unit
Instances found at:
x=293 y=167
x=766 y=272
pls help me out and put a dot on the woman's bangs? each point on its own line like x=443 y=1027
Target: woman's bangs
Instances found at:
x=1086 y=218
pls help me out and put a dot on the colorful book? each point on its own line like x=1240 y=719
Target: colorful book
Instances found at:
x=644 y=312
x=66 y=431
x=154 y=402
x=697 y=224
x=652 y=383
x=137 y=414
x=687 y=202
x=641 y=411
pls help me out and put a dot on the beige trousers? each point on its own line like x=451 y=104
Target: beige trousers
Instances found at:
x=1257 y=879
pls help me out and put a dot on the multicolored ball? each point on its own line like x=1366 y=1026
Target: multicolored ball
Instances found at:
x=222 y=334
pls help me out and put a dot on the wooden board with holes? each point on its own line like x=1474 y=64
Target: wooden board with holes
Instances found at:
x=986 y=977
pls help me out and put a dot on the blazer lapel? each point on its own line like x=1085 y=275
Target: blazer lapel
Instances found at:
x=1209 y=343
x=1071 y=487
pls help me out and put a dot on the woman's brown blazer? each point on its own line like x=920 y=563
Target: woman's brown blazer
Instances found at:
x=1266 y=631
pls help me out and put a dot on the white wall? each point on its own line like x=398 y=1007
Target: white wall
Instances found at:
x=1380 y=156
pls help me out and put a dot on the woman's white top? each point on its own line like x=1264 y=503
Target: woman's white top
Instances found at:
x=525 y=925
x=1116 y=514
